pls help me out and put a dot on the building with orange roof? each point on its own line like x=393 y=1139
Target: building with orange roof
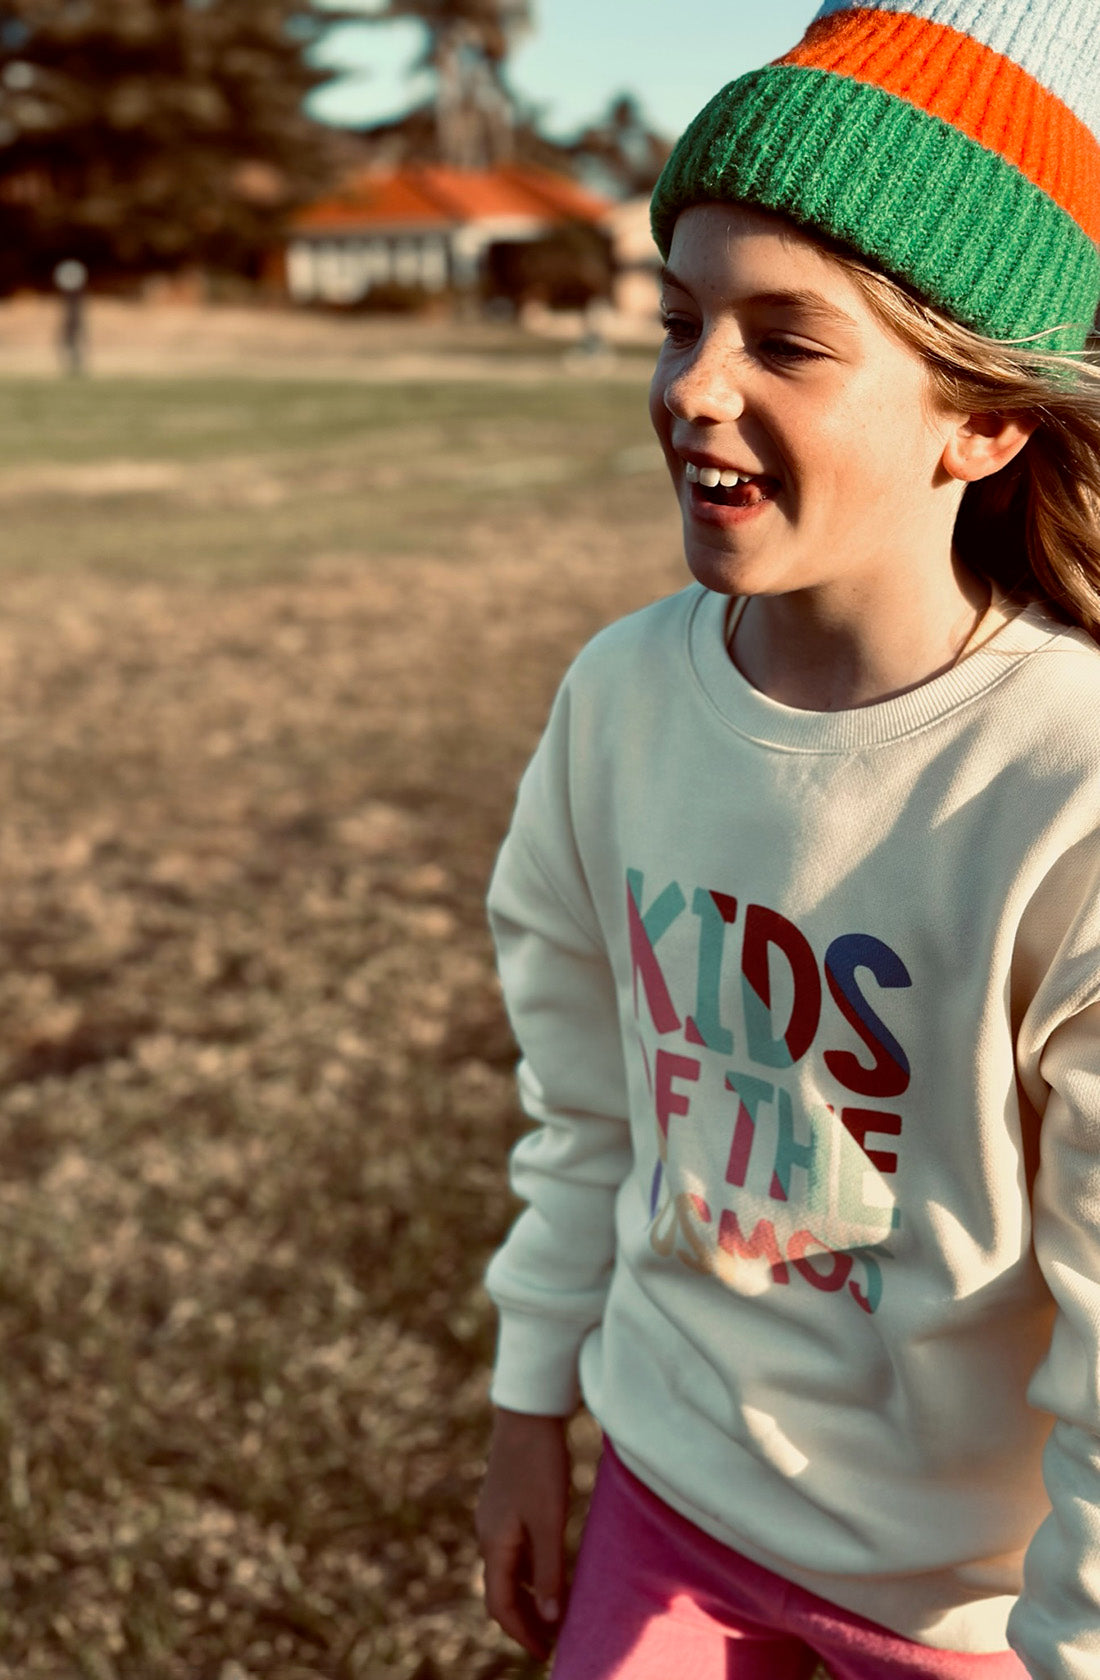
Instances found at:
x=429 y=229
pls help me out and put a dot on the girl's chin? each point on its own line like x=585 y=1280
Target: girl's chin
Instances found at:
x=724 y=576
x=721 y=563
x=772 y=569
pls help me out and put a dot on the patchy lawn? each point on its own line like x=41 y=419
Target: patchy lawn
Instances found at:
x=272 y=656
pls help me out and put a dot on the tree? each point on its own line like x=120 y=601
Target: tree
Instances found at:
x=621 y=154
x=466 y=45
x=140 y=135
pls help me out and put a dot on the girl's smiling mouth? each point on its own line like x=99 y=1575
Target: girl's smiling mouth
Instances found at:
x=725 y=496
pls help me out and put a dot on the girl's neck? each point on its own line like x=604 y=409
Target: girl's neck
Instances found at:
x=830 y=651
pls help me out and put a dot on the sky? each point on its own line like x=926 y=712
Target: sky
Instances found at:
x=672 y=54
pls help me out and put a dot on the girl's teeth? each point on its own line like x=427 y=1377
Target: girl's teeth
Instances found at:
x=710 y=477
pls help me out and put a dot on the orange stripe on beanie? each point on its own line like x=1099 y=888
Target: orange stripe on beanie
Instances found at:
x=954 y=143
x=975 y=89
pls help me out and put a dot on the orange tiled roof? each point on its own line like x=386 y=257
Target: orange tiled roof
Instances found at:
x=430 y=195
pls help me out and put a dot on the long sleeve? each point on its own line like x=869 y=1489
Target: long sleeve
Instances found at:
x=550 y=1279
x=1055 y=1626
x=835 y=1291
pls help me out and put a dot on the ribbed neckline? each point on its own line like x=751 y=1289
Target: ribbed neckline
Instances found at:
x=758 y=718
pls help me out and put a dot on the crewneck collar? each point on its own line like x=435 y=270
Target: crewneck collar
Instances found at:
x=755 y=716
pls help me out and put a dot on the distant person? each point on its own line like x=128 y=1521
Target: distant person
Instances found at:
x=71 y=280
x=798 y=920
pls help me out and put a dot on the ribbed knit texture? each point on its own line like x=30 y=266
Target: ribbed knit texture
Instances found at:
x=930 y=150
x=972 y=87
x=1057 y=42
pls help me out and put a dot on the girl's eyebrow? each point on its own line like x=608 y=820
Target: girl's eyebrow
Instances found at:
x=809 y=303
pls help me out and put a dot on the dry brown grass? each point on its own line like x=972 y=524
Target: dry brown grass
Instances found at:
x=255 y=1086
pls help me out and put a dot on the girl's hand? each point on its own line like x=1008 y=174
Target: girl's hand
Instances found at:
x=521 y=1526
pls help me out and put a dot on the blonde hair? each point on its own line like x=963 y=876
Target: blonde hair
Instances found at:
x=1033 y=528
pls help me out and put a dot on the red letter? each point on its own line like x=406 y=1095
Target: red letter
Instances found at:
x=670 y=1102
x=645 y=931
x=834 y=1278
x=855 y=1169
x=760 y=1246
x=860 y=1121
x=750 y=1093
x=764 y=928
x=889 y=1074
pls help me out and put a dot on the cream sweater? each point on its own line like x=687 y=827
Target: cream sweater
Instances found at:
x=809 y=1006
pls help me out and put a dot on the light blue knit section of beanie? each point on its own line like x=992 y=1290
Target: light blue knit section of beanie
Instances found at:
x=1056 y=41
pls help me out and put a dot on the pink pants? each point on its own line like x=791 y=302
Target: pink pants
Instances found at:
x=655 y=1598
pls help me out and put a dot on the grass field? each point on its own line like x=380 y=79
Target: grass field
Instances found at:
x=272 y=655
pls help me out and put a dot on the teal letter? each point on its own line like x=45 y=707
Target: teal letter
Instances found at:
x=715 y=912
x=811 y=1156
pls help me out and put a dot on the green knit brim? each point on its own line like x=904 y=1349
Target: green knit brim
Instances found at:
x=921 y=199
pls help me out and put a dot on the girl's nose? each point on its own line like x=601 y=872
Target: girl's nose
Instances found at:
x=708 y=386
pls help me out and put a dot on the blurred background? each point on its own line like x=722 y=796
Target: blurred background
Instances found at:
x=324 y=339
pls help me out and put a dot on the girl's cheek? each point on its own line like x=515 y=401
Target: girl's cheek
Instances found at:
x=658 y=413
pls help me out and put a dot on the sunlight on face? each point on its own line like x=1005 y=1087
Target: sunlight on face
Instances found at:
x=798 y=430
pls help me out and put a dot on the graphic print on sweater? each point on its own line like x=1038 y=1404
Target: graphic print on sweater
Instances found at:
x=770 y=1166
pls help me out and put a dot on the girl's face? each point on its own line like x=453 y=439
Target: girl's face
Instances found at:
x=775 y=370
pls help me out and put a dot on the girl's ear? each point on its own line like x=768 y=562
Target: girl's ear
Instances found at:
x=981 y=444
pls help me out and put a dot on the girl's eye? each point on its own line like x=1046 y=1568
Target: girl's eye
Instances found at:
x=789 y=350
x=678 y=329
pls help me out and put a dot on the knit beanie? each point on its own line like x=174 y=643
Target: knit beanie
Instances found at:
x=952 y=142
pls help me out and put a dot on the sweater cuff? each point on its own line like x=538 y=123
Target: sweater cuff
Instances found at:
x=536 y=1365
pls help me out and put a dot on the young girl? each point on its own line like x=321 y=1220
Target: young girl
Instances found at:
x=799 y=916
